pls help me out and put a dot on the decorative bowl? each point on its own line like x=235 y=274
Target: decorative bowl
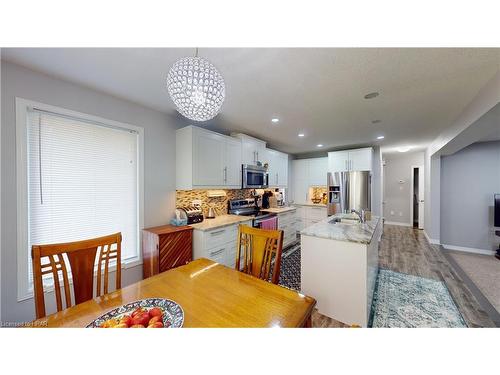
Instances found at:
x=173 y=315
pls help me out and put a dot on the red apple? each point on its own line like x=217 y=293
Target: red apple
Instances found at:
x=156 y=311
x=137 y=326
x=155 y=319
x=142 y=319
x=156 y=325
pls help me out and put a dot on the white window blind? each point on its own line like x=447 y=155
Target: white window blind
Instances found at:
x=82 y=182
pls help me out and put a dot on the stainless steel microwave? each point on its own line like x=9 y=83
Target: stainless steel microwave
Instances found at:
x=254 y=177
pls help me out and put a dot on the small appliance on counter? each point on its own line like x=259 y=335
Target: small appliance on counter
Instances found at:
x=193 y=214
x=248 y=207
x=180 y=218
x=211 y=213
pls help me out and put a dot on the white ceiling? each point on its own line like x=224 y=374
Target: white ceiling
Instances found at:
x=315 y=91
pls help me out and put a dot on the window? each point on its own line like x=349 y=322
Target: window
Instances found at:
x=81 y=180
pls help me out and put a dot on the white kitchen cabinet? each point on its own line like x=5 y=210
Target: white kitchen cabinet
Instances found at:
x=206 y=160
x=309 y=215
x=318 y=169
x=278 y=167
x=252 y=149
x=351 y=160
x=338 y=161
x=232 y=163
x=287 y=222
x=307 y=173
x=218 y=244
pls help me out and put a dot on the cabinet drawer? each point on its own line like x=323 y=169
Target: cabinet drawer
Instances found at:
x=220 y=236
x=217 y=254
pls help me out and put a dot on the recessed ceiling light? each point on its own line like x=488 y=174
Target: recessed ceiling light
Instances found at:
x=380 y=137
x=275 y=120
x=371 y=95
x=404 y=149
x=301 y=134
x=320 y=145
x=375 y=121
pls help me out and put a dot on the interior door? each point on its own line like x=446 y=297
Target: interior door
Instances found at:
x=421 y=203
x=232 y=172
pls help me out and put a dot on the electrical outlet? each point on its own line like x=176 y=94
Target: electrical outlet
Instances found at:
x=400 y=213
x=196 y=202
x=392 y=213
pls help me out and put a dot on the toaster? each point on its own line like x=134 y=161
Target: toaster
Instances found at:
x=193 y=214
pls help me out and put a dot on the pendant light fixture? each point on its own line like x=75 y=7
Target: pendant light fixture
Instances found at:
x=196 y=88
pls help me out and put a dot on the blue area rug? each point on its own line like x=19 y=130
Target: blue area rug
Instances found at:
x=408 y=301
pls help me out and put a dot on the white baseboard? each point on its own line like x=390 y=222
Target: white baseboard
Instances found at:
x=398 y=223
x=431 y=240
x=469 y=249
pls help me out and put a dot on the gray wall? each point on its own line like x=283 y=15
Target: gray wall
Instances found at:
x=469 y=178
x=159 y=162
x=397 y=196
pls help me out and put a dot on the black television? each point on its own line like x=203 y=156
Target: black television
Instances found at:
x=497 y=210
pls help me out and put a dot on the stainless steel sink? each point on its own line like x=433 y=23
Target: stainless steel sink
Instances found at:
x=341 y=220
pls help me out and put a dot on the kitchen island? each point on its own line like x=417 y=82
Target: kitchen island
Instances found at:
x=339 y=266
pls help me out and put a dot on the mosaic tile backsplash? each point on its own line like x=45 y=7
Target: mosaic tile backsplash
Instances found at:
x=185 y=198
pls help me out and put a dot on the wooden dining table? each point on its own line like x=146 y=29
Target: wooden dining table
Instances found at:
x=211 y=295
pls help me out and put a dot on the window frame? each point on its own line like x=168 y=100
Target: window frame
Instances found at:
x=24 y=287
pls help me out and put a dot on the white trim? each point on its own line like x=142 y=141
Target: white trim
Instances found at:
x=398 y=223
x=469 y=249
x=431 y=240
x=24 y=291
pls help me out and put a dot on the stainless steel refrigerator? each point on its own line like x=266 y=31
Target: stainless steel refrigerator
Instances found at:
x=348 y=190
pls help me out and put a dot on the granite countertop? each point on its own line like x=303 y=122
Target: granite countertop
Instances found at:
x=220 y=221
x=278 y=210
x=359 y=232
x=310 y=204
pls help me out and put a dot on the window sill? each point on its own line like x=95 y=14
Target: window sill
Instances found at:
x=49 y=287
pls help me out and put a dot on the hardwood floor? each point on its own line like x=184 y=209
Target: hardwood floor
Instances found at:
x=406 y=250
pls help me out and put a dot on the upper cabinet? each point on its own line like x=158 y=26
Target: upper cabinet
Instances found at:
x=305 y=174
x=351 y=160
x=318 y=169
x=206 y=159
x=252 y=149
x=278 y=167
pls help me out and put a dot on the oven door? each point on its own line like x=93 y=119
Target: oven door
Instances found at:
x=254 y=178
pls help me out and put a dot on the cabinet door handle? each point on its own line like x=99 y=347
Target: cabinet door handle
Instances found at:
x=257 y=156
x=346 y=167
x=225 y=174
x=218 y=232
x=276 y=178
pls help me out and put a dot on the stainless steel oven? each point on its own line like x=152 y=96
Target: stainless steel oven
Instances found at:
x=254 y=177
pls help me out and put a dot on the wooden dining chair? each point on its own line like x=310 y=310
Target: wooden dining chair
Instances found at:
x=257 y=248
x=82 y=256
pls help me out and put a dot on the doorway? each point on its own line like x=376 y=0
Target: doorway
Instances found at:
x=417 y=197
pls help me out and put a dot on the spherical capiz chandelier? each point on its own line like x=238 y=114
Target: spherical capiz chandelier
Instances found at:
x=196 y=88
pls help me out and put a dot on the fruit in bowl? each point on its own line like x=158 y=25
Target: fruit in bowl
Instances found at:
x=139 y=318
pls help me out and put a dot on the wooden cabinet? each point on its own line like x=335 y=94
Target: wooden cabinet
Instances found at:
x=206 y=159
x=351 y=160
x=165 y=247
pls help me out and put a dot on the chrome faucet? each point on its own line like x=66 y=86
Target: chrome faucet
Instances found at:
x=361 y=215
